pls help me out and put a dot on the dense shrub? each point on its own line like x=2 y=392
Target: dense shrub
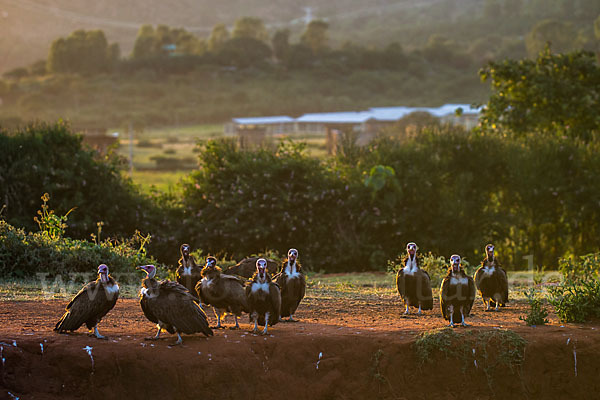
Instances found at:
x=446 y=189
x=577 y=299
x=24 y=254
x=243 y=202
x=537 y=312
x=45 y=158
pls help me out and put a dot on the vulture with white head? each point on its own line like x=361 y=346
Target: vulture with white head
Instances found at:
x=225 y=293
x=413 y=283
x=457 y=293
x=91 y=304
x=292 y=284
x=171 y=307
x=491 y=281
x=188 y=273
x=264 y=298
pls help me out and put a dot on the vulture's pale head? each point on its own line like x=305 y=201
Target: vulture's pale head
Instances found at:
x=455 y=262
x=489 y=250
x=150 y=270
x=103 y=272
x=411 y=248
x=211 y=262
x=261 y=268
x=292 y=255
x=185 y=250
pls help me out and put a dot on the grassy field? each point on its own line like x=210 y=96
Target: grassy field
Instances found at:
x=351 y=286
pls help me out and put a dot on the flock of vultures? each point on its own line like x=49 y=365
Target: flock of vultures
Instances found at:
x=269 y=293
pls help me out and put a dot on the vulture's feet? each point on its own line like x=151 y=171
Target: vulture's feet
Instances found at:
x=292 y=320
x=452 y=325
x=98 y=336
x=217 y=327
x=464 y=324
x=234 y=328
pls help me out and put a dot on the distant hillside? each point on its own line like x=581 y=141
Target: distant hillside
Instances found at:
x=27 y=27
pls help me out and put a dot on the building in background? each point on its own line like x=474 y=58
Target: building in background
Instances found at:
x=364 y=124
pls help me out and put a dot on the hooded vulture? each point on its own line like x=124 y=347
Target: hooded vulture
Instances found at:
x=491 y=281
x=91 y=304
x=457 y=293
x=264 y=298
x=171 y=307
x=188 y=273
x=225 y=293
x=413 y=283
x=292 y=284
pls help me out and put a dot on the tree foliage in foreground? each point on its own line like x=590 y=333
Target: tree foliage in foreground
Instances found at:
x=553 y=94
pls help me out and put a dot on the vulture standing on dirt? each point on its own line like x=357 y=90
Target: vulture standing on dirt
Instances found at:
x=457 y=293
x=413 y=283
x=247 y=267
x=264 y=298
x=225 y=293
x=491 y=281
x=292 y=283
x=91 y=304
x=188 y=273
x=171 y=307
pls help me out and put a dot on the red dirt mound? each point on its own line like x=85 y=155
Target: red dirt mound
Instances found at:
x=339 y=350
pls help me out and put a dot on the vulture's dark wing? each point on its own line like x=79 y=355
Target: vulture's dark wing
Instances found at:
x=426 y=295
x=177 y=307
x=89 y=304
x=235 y=293
x=147 y=310
x=280 y=280
x=400 y=284
x=302 y=287
x=471 y=296
x=201 y=296
x=503 y=285
x=444 y=296
x=275 y=298
x=479 y=276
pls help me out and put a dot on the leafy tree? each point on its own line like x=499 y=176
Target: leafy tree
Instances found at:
x=281 y=44
x=597 y=27
x=217 y=38
x=315 y=36
x=441 y=50
x=243 y=52
x=85 y=52
x=554 y=94
x=250 y=27
x=561 y=37
x=144 y=42
x=164 y=41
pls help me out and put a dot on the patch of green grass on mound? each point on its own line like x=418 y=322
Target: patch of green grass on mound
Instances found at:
x=486 y=350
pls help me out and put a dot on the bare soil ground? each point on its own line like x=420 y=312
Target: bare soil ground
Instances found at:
x=360 y=347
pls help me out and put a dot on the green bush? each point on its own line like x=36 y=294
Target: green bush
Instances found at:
x=23 y=255
x=537 y=312
x=49 y=158
x=577 y=298
x=243 y=202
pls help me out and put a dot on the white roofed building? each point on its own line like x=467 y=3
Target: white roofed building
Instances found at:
x=364 y=123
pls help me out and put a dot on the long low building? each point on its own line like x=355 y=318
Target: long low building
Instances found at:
x=360 y=121
x=365 y=124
